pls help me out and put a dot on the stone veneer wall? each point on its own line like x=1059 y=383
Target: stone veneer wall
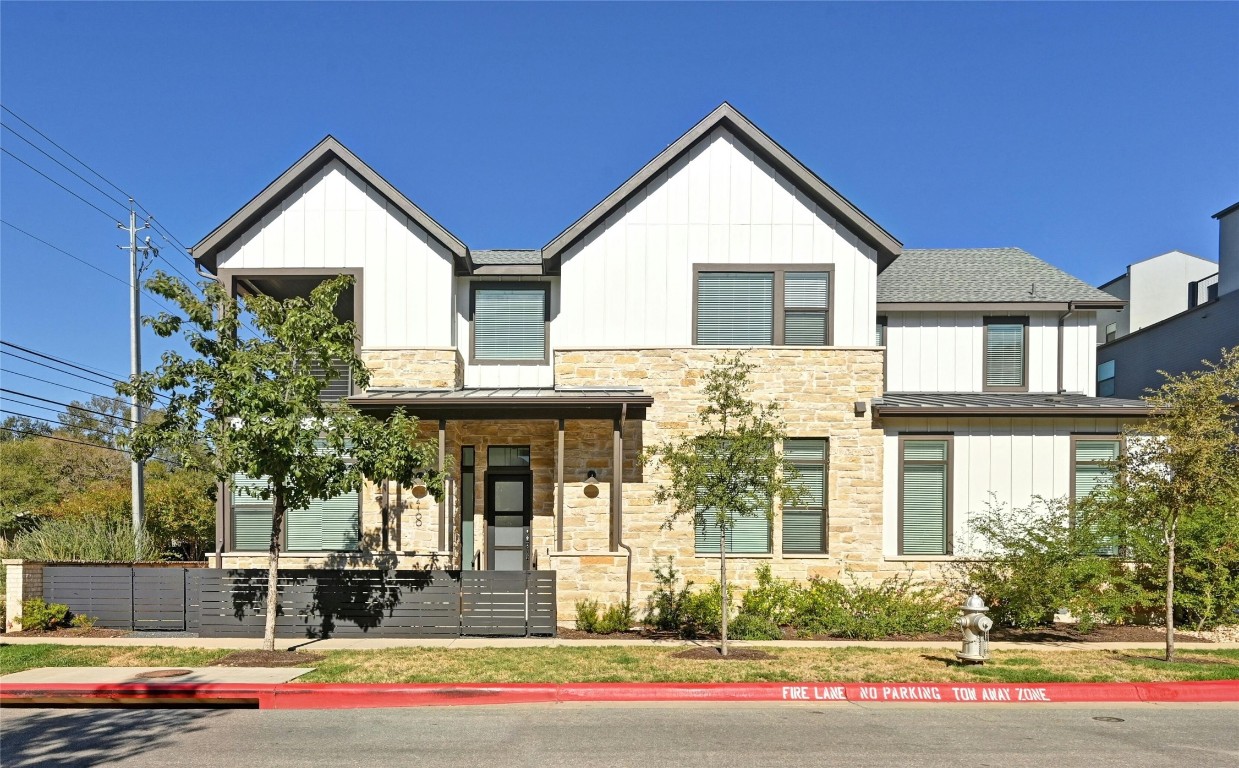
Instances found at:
x=414 y=368
x=816 y=389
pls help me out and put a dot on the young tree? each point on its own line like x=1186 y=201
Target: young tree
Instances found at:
x=1180 y=465
x=254 y=403
x=731 y=467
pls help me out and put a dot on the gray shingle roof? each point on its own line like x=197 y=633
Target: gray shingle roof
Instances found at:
x=1003 y=403
x=979 y=275
x=505 y=257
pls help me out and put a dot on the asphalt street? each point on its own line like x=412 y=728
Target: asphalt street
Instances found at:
x=719 y=736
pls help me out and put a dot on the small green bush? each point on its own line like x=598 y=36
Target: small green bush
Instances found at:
x=746 y=626
x=38 y=616
x=617 y=618
x=83 y=539
x=82 y=621
x=665 y=609
x=587 y=615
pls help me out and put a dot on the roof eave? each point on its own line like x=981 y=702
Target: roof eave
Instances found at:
x=726 y=115
x=207 y=249
x=982 y=410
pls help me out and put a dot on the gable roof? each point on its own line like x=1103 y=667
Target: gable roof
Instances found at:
x=207 y=249
x=729 y=117
x=982 y=275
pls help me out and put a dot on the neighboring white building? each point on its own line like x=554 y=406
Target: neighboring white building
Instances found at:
x=1155 y=289
x=1182 y=310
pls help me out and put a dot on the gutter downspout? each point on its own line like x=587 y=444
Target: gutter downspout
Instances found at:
x=619 y=528
x=1061 y=320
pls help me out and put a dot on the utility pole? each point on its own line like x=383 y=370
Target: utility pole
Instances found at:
x=137 y=486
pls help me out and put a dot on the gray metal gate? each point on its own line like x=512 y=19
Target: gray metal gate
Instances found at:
x=121 y=597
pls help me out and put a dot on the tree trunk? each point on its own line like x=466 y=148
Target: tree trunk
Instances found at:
x=722 y=583
x=273 y=570
x=1170 y=542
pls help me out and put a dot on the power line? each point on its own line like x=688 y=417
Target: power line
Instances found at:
x=70 y=406
x=109 y=383
x=49 y=156
x=54 y=383
x=80 y=442
x=62 y=361
x=95 y=430
x=57 y=183
x=67 y=152
x=100 y=270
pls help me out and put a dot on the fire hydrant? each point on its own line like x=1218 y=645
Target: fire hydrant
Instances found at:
x=976 y=626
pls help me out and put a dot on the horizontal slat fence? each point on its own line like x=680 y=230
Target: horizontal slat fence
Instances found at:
x=313 y=603
x=320 y=603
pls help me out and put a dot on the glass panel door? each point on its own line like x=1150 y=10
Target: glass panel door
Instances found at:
x=509 y=508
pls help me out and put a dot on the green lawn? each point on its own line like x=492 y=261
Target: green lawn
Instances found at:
x=612 y=664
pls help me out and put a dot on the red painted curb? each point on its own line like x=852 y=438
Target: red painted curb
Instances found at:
x=355 y=696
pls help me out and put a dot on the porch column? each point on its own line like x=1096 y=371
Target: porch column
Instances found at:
x=559 y=495
x=443 y=492
x=617 y=483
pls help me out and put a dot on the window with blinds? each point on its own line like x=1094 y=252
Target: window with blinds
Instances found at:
x=1094 y=471
x=782 y=306
x=924 y=503
x=804 y=523
x=1006 y=358
x=806 y=302
x=325 y=525
x=749 y=534
x=735 y=308
x=879 y=332
x=509 y=321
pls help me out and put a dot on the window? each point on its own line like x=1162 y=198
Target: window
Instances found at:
x=509 y=322
x=804 y=524
x=1112 y=330
x=780 y=306
x=879 y=334
x=325 y=525
x=508 y=456
x=1105 y=379
x=924 y=495
x=748 y=534
x=468 y=477
x=1006 y=354
x=1092 y=469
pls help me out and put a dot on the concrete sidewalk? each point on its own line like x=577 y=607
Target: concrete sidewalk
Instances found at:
x=377 y=643
x=132 y=675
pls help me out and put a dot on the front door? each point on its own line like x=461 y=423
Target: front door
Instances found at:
x=509 y=510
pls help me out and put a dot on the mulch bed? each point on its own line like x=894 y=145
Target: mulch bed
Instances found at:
x=268 y=659
x=712 y=653
x=1059 y=633
x=71 y=632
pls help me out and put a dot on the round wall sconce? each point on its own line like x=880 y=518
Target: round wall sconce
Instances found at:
x=419 y=490
x=591 y=484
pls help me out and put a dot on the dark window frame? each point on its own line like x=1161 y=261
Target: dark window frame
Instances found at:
x=949 y=438
x=509 y=285
x=824 y=509
x=1078 y=437
x=988 y=320
x=779 y=312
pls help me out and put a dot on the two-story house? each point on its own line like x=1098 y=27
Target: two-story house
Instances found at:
x=914 y=382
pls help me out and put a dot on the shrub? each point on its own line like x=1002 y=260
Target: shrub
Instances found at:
x=747 y=626
x=617 y=618
x=1033 y=561
x=82 y=621
x=892 y=607
x=773 y=600
x=587 y=615
x=38 y=615
x=665 y=609
x=83 y=539
x=701 y=613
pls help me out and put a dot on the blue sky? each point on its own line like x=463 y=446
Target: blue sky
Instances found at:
x=1093 y=135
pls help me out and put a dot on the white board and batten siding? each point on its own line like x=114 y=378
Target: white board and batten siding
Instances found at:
x=504 y=374
x=1015 y=459
x=942 y=351
x=629 y=282
x=335 y=220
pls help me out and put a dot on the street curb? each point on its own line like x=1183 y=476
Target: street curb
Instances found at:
x=361 y=696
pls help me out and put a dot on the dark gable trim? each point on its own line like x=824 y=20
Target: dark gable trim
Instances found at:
x=730 y=118
x=324 y=152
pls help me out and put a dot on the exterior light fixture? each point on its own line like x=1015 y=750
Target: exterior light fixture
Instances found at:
x=591 y=484
x=859 y=407
x=419 y=489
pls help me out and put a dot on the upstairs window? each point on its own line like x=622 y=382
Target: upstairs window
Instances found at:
x=1005 y=367
x=1112 y=331
x=777 y=306
x=1105 y=379
x=509 y=322
x=879 y=332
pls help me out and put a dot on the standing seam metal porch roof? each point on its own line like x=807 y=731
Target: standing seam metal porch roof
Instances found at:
x=515 y=402
x=1004 y=404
